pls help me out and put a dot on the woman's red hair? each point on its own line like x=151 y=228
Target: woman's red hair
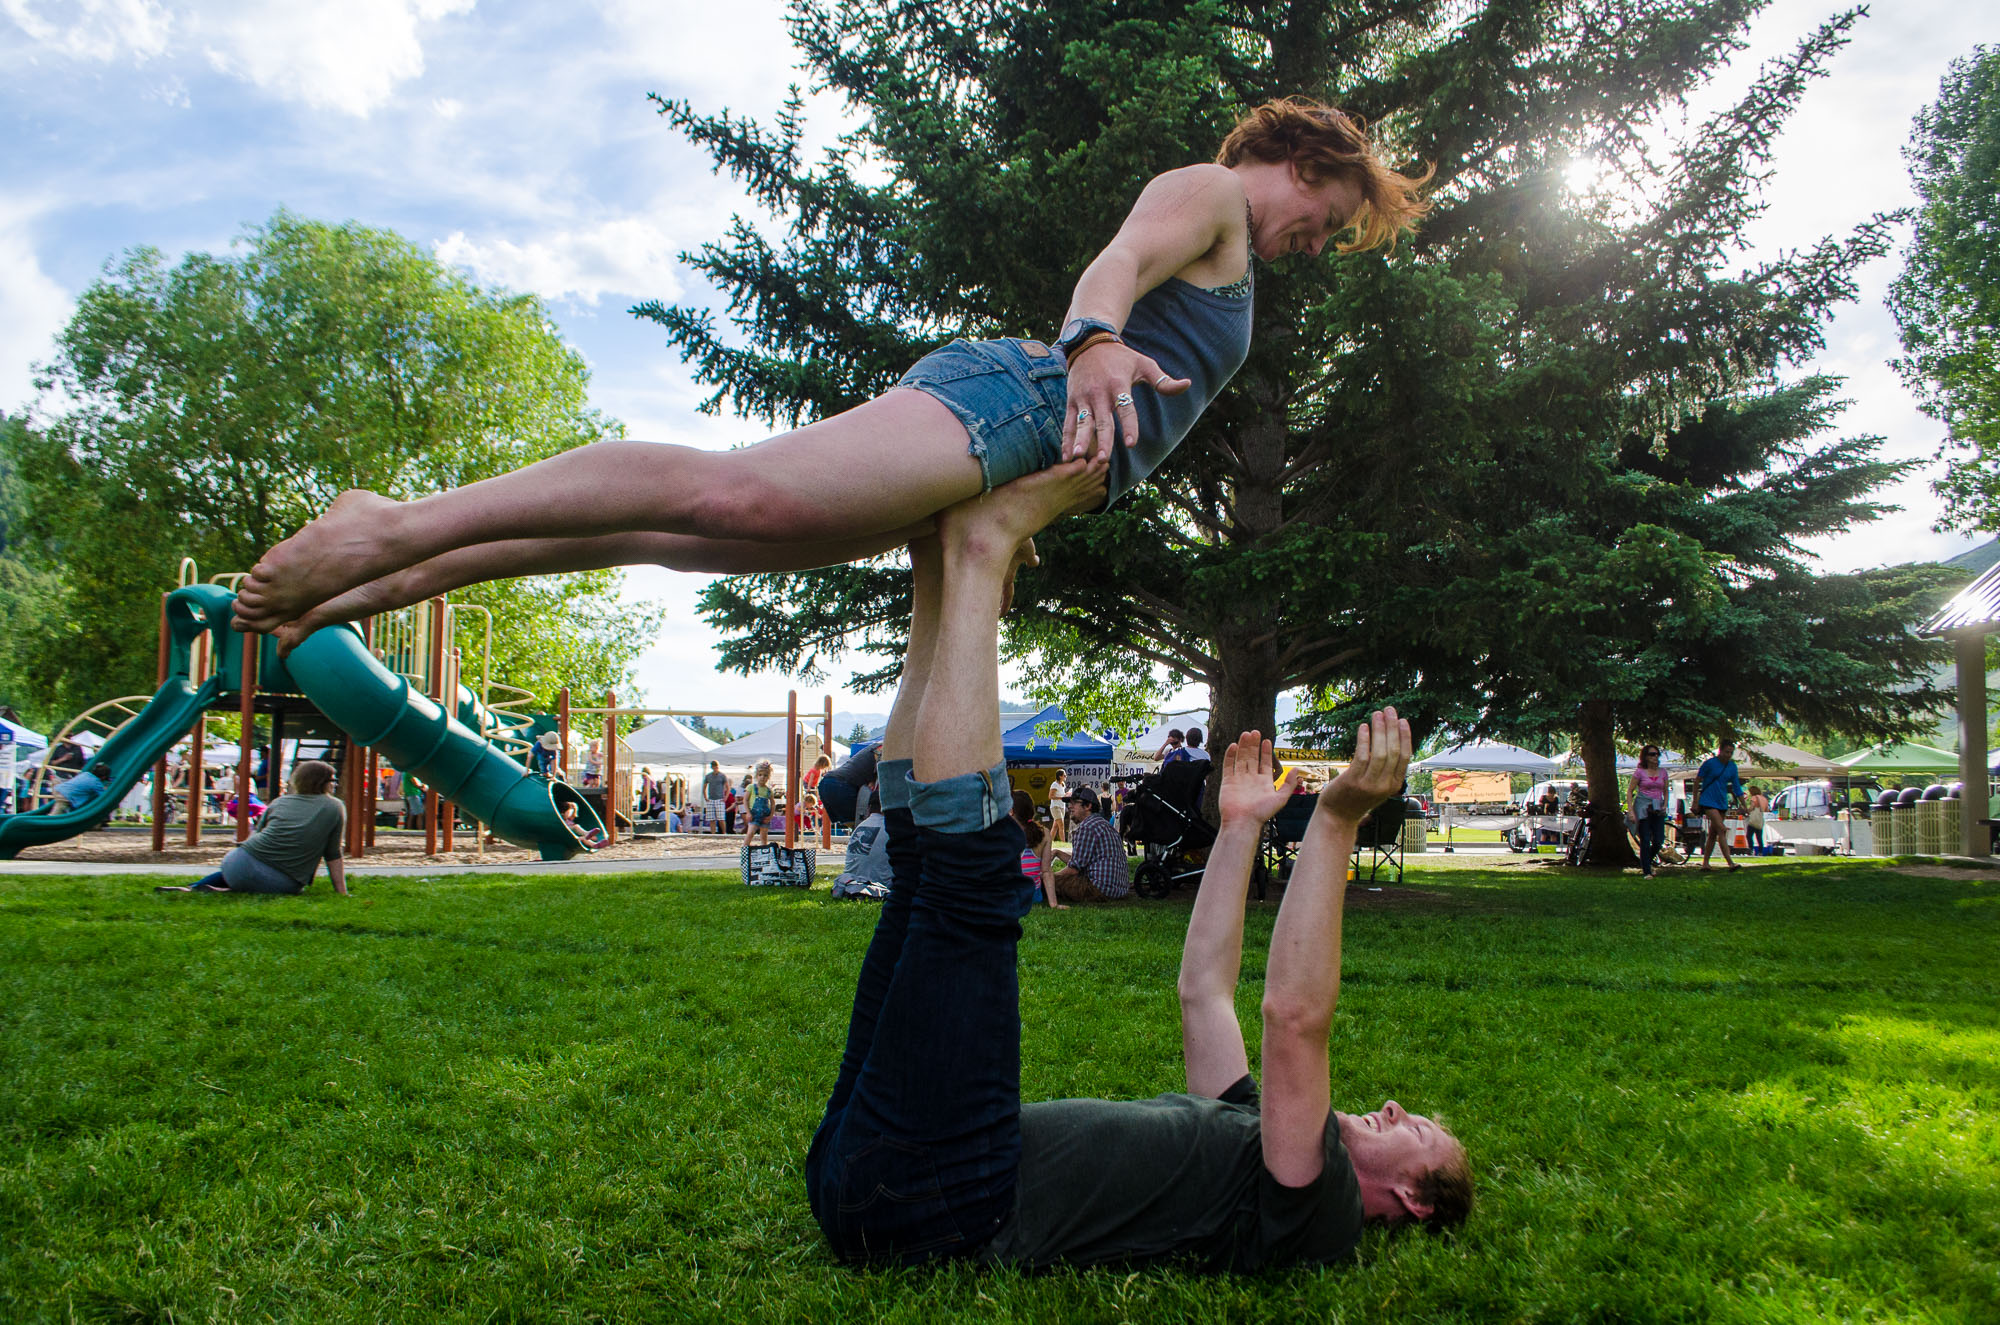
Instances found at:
x=1323 y=142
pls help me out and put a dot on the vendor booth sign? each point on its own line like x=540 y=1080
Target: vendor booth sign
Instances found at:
x=1462 y=788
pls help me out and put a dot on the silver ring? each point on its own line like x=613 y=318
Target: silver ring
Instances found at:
x=1122 y=399
x=1161 y=378
x=1083 y=415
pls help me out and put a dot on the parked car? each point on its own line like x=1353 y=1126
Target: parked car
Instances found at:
x=1822 y=800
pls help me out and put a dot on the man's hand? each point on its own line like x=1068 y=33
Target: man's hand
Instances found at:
x=1381 y=759
x=1247 y=793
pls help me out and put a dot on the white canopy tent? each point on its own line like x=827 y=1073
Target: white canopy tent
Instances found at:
x=769 y=743
x=1489 y=757
x=1148 y=742
x=668 y=741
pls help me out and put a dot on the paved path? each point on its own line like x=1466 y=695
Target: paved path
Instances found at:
x=581 y=865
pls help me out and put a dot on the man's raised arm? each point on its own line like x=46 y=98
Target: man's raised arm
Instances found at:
x=1302 y=979
x=1211 y=1037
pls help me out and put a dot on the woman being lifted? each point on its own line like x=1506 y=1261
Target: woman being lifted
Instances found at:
x=1159 y=322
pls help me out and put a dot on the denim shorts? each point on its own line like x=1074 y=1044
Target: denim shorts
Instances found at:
x=1009 y=394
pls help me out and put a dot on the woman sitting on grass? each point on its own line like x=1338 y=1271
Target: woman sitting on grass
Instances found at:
x=298 y=831
x=1035 y=855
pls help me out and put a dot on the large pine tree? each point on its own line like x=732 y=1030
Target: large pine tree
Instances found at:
x=1416 y=444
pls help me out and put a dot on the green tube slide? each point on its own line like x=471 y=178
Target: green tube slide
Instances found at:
x=135 y=747
x=378 y=708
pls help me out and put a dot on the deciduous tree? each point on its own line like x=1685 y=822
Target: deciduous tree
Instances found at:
x=1947 y=301
x=209 y=408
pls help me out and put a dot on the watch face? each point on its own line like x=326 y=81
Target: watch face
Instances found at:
x=1072 y=331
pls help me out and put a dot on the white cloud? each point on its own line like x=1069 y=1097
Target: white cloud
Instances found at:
x=627 y=256
x=449 y=108
x=346 y=57
x=93 y=29
x=33 y=308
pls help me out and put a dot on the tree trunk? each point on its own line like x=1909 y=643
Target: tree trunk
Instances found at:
x=1243 y=697
x=1609 y=844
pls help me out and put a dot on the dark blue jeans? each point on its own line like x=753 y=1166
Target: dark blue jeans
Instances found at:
x=916 y=1157
x=1652 y=835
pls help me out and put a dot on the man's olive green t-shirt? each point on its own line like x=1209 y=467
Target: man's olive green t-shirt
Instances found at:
x=297 y=833
x=1173 y=1176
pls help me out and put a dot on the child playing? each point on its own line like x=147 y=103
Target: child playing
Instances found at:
x=592 y=839
x=762 y=799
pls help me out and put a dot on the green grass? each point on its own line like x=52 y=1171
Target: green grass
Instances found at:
x=1769 y=1096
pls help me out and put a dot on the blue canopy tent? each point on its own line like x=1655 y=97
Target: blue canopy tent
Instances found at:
x=1021 y=745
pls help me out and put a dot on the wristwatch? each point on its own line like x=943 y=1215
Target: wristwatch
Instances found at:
x=1081 y=329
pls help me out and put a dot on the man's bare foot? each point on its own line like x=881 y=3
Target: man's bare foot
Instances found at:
x=350 y=545
x=1024 y=555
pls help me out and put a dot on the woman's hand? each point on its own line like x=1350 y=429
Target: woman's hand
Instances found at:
x=1247 y=793
x=1101 y=381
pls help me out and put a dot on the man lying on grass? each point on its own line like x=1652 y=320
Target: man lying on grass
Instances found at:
x=926 y=1151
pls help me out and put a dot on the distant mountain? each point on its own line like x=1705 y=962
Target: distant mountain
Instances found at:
x=1979 y=560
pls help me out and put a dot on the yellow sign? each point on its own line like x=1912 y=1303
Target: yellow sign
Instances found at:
x=1034 y=781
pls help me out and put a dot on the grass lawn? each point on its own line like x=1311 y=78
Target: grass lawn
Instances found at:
x=1768 y=1096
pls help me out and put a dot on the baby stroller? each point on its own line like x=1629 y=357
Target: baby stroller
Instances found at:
x=1164 y=818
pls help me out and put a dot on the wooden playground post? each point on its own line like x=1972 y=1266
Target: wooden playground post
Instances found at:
x=562 y=731
x=371 y=766
x=351 y=765
x=198 y=739
x=436 y=670
x=610 y=767
x=826 y=748
x=791 y=768
x=160 y=768
x=448 y=697
x=246 y=698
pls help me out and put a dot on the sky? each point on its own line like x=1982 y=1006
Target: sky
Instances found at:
x=515 y=140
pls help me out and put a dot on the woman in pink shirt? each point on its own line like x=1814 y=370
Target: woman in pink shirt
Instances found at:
x=1649 y=807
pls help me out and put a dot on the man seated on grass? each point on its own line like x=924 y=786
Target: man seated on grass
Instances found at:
x=926 y=1152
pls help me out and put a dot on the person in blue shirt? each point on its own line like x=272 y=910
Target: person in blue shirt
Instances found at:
x=1719 y=785
x=77 y=792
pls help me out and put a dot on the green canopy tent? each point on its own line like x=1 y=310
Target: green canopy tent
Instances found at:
x=1911 y=758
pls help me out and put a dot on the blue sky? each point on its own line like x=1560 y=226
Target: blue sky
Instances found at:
x=515 y=139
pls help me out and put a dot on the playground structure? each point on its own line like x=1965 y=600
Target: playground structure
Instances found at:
x=379 y=692
x=610 y=713
x=390 y=689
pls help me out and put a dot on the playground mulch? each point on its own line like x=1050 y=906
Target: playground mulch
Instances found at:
x=127 y=847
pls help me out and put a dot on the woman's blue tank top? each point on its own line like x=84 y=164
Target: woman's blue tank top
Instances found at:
x=1202 y=335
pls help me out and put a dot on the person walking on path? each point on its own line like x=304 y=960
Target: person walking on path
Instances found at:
x=1158 y=323
x=1755 y=803
x=1649 y=807
x=714 y=791
x=925 y=1151
x=1059 y=808
x=298 y=831
x=1719 y=786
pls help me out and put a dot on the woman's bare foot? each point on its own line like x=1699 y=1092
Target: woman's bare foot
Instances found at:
x=358 y=604
x=353 y=543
